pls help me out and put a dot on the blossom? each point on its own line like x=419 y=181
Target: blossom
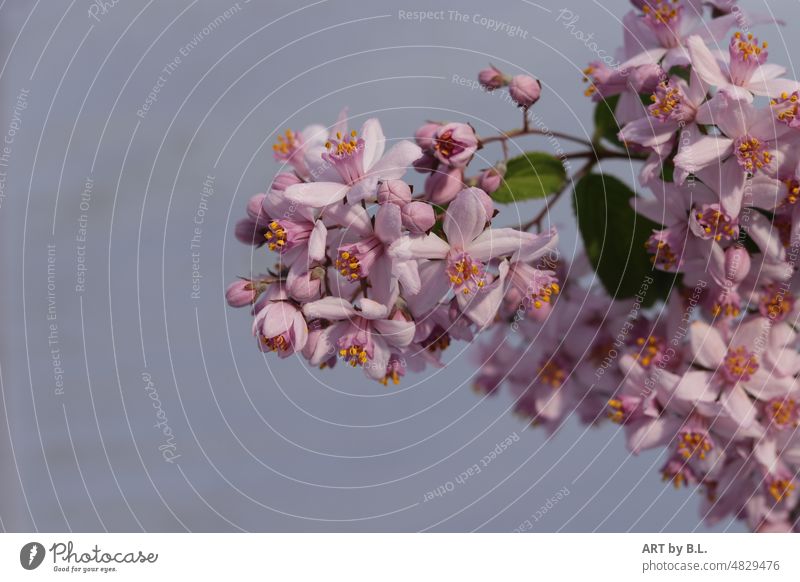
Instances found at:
x=461 y=260
x=363 y=335
x=359 y=163
x=747 y=71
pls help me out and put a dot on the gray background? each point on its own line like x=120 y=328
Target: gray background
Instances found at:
x=264 y=444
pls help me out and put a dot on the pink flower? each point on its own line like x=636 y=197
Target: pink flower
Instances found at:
x=359 y=164
x=366 y=257
x=292 y=229
x=661 y=31
x=747 y=146
x=363 y=336
x=455 y=144
x=532 y=287
x=747 y=69
x=461 y=261
x=674 y=106
x=280 y=327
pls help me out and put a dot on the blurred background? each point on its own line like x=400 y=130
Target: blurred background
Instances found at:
x=134 y=399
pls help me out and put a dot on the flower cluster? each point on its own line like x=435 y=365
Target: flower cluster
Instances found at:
x=373 y=274
x=713 y=375
x=367 y=272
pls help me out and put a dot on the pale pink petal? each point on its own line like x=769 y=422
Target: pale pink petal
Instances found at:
x=732 y=187
x=481 y=307
x=333 y=308
x=374 y=142
x=407 y=272
x=436 y=284
x=352 y=217
x=316 y=194
x=464 y=220
x=388 y=223
x=299 y=331
x=648 y=434
x=539 y=246
x=278 y=317
x=369 y=309
x=396 y=332
x=648 y=132
x=704 y=63
x=397 y=161
x=696 y=387
x=317 y=242
x=376 y=367
x=707 y=345
x=499 y=242
x=705 y=150
x=428 y=246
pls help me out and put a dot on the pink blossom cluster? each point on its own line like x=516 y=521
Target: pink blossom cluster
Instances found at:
x=368 y=272
x=712 y=376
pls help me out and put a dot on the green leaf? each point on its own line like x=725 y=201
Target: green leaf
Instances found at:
x=531 y=175
x=614 y=237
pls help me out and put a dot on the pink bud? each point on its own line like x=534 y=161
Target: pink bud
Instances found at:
x=455 y=144
x=425 y=135
x=241 y=293
x=524 y=90
x=491 y=78
x=304 y=288
x=283 y=180
x=737 y=264
x=254 y=207
x=418 y=216
x=442 y=186
x=490 y=180
x=395 y=192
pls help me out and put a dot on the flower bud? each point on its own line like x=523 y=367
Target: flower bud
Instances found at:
x=524 y=90
x=737 y=264
x=283 y=180
x=395 y=192
x=491 y=78
x=490 y=180
x=425 y=135
x=241 y=293
x=455 y=144
x=426 y=163
x=442 y=186
x=418 y=217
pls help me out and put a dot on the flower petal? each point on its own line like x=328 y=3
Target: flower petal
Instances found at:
x=316 y=194
x=707 y=345
x=704 y=63
x=428 y=246
x=374 y=142
x=333 y=308
x=317 y=241
x=465 y=219
x=498 y=242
